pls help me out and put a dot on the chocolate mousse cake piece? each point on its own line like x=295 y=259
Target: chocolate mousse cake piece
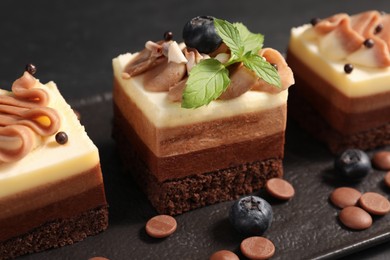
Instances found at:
x=51 y=186
x=342 y=69
x=198 y=123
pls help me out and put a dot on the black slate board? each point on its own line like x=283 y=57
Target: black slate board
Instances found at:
x=305 y=227
x=72 y=42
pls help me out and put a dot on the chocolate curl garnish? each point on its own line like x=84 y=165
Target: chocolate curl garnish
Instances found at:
x=164 y=76
x=23 y=118
x=151 y=56
x=175 y=93
x=193 y=57
x=16 y=141
x=143 y=62
x=243 y=79
x=284 y=71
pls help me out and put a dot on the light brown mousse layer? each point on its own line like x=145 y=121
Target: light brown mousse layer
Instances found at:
x=24 y=211
x=171 y=141
x=210 y=159
x=344 y=114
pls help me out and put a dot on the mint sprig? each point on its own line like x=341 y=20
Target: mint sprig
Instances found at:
x=263 y=69
x=230 y=36
x=210 y=78
x=252 y=42
x=206 y=82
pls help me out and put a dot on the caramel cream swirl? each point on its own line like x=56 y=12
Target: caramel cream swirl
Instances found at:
x=24 y=118
x=362 y=39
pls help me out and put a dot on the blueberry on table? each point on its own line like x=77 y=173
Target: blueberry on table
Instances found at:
x=199 y=33
x=353 y=164
x=251 y=215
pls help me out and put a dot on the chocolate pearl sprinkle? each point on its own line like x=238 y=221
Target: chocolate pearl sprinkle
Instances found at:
x=314 y=21
x=168 y=35
x=31 y=68
x=379 y=28
x=369 y=43
x=348 y=68
x=61 y=137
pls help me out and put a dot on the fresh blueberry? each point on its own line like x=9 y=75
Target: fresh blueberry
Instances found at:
x=251 y=215
x=353 y=164
x=199 y=33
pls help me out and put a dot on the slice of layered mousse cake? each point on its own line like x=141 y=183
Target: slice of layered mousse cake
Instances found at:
x=342 y=70
x=51 y=186
x=202 y=121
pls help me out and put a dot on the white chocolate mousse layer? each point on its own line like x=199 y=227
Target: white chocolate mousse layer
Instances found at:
x=51 y=162
x=363 y=81
x=164 y=113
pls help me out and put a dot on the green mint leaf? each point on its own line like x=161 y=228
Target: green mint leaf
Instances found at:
x=253 y=42
x=206 y=82
x=230 y=36
x=263 y=69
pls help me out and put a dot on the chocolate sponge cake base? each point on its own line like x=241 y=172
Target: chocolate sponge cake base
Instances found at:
x=177 y=196
x=57 y=233
x=310 y=120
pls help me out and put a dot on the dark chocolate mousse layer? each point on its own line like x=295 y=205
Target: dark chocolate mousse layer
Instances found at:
x=198 y=162
x=348 y=116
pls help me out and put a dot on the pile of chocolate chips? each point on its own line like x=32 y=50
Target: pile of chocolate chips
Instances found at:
x=356 y=208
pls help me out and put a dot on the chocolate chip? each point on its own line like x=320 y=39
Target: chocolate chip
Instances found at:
x=378 y=28
x=348 y=68
x=374 y=203
x=381 y=160
x=369 y=43
x=168 y=36
x=355 y=218
x=224 y=255
x=314 y=21
x=31 y=68
x=257 y=248
x=161 y=226
x=344 y=196
x=61 y=138
x=280 y=188
x=275 y=65
x=387 y=179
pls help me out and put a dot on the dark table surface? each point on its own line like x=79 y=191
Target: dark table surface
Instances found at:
x=73 y=43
